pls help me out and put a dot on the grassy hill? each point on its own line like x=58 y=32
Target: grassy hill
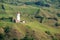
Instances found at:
x=42 y=20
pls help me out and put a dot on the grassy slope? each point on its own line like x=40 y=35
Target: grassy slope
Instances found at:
x=36 y=26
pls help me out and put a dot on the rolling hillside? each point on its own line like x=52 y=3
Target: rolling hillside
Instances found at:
x=42 y=20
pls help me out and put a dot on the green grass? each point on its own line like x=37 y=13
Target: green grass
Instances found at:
x=40 y=27
x=27 y=12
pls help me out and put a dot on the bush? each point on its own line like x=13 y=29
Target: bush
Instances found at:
x=58 y=14
x=7 y=19
x=10 y=19
x=1 y=36
x=46 y=5
x=7 y=29
x=3 y=7
x=54 y=38
x=48 y=32
x=39 y=3
x=15 y=39
x=57 y=24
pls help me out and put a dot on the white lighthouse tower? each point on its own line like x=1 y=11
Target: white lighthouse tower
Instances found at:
x=18 y=18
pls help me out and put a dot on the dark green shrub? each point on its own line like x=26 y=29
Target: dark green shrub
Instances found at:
x=15 y=39
x=10 y=19
x=57 y=24
x=54 y=38
x=48 y=32
x=7 y=29
x=1 y=36
x=39 y=3
x=7 y=19
x=3 y=7
x=58 y=14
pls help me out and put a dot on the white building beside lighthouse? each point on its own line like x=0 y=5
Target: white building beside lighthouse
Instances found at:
x=18 y=18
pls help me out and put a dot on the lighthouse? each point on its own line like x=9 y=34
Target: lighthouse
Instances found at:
x=18 y=18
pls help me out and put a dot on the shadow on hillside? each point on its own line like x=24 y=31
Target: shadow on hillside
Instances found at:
x=6 y=19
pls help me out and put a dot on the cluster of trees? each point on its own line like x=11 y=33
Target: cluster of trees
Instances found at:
x=38 y=2
x=10 y=19
x=17 y=2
